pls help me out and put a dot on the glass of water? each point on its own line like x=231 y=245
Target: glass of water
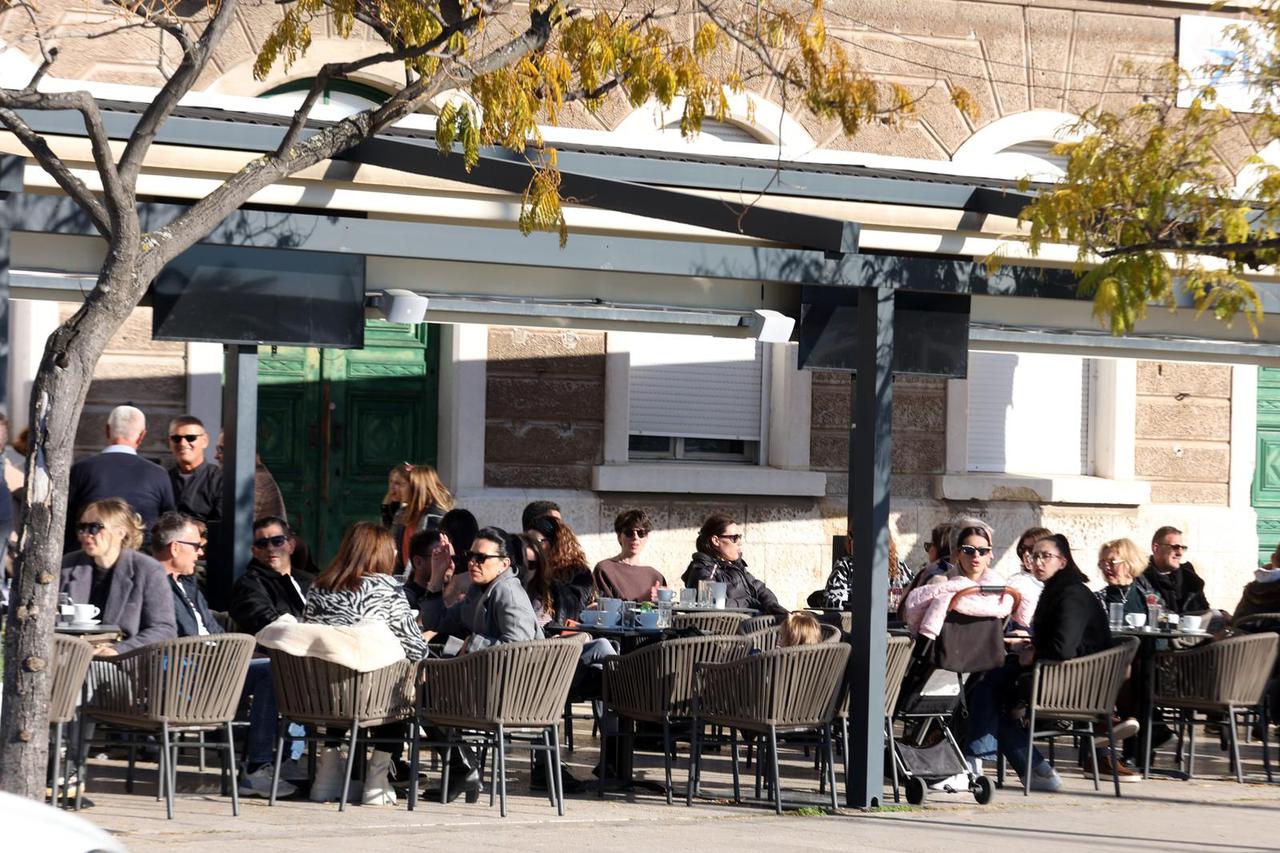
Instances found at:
x=1115 y=613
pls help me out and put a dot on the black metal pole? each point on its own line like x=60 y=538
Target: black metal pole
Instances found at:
x=239 y=453
x=870 y=435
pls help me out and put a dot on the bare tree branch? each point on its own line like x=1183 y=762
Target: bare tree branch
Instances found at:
x=58 y=169
x=194 y=58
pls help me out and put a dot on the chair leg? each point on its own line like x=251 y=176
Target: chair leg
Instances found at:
x=1031 y=742
x=82 y=764
x=773 y=760
x=759 y=763
x=1191 y=747
x=415 y=762
x=844 y=752
x=893 y=758
x=1235 y=743
x=235 y=782
x=353 y=741
x=1265 y=714
x=493 y=779
x=166 y=759
x=444 y=778
x=695 y=755
x=666 y=755
x=56 y=765
x=281 y=727
x=733 y=761
x=1093 y=761
x=568 y=724
x=604 y=762
x=557 y=776
x=551 y=781
x=831 y=764
x=501 y=763
x=1115 y=757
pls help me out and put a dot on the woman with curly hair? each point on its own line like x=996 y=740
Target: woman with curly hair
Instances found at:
x=562 y=587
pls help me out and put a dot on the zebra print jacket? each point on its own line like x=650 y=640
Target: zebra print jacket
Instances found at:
x=377 y=599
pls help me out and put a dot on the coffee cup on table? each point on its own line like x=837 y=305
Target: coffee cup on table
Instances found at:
x=1190 y=623
x=1135 y=620
x=84 y=613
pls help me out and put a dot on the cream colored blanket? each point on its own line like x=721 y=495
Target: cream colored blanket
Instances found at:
x=364 y=647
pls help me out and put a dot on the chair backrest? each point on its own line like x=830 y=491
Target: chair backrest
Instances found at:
x=1230 y=672
x=1085 y=686
x=830 y=634
x=897 y=661
x=712 y=622
x=318 y=692
x=765 y=639
x=1256 y=623
x=752 y=624
x=658 y=679
x=194 y=681
x=516 y=684
x=791 y=687
x=71 y=658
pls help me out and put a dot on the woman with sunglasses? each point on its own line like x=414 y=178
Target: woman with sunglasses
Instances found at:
x=1120 y=562
x=130 y=589
x=562 y=587
x=719 y=558
x=623 y=575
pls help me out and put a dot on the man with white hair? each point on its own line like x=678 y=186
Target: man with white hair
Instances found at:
x=119 y=472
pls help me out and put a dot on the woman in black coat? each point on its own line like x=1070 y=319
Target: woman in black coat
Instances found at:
x=1068 y=622
x=719 y=558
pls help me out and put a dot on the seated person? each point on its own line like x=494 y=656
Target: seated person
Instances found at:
x=1180 y=588
x=1262 y=594
x=563 y=587
x=129 y=588
x=938 y=563
x=835 y=594
x=271 y=585
x=175 y=542
x=799 y=629
x=1120 y=562
x=719 y=558
x=623 y=575
x=359 y=586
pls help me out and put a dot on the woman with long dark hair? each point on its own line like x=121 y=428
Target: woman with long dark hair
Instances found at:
x=416 y=500
x=562 y=587
x=719 y=558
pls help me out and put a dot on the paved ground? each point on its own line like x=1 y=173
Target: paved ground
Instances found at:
x=1207 y=813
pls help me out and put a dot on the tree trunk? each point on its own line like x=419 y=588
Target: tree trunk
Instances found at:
x=57 y=400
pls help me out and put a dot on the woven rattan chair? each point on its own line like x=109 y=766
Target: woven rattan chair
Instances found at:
x=1081 y=691
x=784 y=690
x=710 y=622
x=498 y=691
x=191 y=684
x=71 y=658
x=317 y=693
x=897 y=661
x=654 y=684
x=830 y=634
x=765 y=639
x=758 y=623
x=1226 y=677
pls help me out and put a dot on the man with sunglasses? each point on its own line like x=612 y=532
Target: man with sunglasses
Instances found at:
x=119 y=472
x=1172 y=575
x=623 y=575
x=270 y=586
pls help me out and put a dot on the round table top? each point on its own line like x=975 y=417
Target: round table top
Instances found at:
x=610 y=630
x=697 y=608
x=1159 y=633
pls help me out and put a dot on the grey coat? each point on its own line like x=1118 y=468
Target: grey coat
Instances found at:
x=499 y=612
x=140 y=602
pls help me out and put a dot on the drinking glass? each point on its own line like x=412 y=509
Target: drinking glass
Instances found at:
x=1153 y=616
x=704 y=593
x=1115 y=612
x=688 y=596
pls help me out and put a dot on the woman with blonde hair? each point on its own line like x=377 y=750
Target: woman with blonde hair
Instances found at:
x=358 y=587
x=130 y=589
x=1122 y=564
x=416 y=500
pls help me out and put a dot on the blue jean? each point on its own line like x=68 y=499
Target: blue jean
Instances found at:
x=991 y=728
x=262 y=712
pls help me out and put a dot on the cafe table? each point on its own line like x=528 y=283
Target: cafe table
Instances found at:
x=1148 y=640
x=94 y=635
x=702 y=608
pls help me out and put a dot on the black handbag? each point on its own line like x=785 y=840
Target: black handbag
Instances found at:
x=969 y=643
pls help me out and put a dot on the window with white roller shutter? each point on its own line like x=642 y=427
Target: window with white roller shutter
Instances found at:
x=695 y=397
x=1028 y=413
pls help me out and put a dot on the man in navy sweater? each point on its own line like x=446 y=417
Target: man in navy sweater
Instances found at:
x=119 y=472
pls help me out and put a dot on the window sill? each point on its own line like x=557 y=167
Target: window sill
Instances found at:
x=1041 y=489
x=708 y=479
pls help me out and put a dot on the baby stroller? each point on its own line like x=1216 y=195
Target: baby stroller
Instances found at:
x=932 y=701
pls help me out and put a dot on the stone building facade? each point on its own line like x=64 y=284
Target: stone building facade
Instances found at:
x=1172 y=442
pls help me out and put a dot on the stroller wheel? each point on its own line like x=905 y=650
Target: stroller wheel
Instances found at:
x=982 y=790
x=916 y=790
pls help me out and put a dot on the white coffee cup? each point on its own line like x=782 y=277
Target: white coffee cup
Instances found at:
x=1135 y=620
x=84 y=613
x=666 y=594
x=1190 y=623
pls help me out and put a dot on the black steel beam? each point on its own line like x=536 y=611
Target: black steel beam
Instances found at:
x=239 y=457
x=870 y=441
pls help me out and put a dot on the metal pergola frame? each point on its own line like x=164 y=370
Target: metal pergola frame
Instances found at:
x=801 y=249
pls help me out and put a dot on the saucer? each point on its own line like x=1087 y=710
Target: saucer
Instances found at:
x=92 y=623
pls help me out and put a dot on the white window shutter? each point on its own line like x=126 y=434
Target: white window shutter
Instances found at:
x=694 y=386
x=1028 y=413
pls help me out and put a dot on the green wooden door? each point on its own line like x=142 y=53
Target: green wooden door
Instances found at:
x=332 y=423
x=1266 y=474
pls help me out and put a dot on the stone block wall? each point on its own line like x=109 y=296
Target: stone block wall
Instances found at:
x=544 y=409
x=1183 y=431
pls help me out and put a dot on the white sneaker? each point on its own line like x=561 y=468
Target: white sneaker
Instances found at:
x=330 y=770
x=975 y=765
x=294 y=769
x=1123 y=729
x=1045 y=778
x=377 y=781
x=958 y=782
x=258 y=784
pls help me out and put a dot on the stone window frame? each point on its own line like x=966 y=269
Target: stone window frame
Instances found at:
x=784 y=471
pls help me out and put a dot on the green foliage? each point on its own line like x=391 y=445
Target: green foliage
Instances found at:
x=592 y=56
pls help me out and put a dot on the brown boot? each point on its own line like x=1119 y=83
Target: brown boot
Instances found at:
x=1107 y=768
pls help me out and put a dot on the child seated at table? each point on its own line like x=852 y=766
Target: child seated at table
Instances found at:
x=799 y=629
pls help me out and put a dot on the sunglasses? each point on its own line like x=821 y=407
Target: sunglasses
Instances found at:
x=479 y=559
x=91 y=528
x=736 y=537
x=196 y=545
x=272 y=541
x=974 y=551
x=191 y=438
x=635 y=533
x=1179 y=549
